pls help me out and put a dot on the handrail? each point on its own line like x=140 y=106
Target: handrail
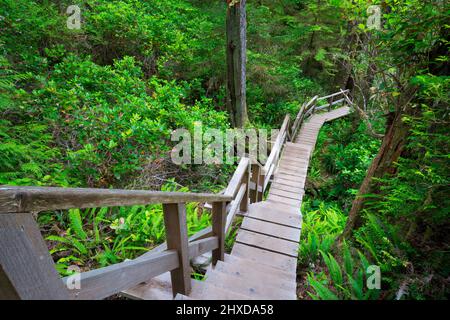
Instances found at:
x=276 y=148
x=37 y=199
x=334 y=94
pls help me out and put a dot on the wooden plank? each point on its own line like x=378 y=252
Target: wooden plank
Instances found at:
x=267 y=243
x=298 y=148
x=289 y=178
x=255 y=289
x=235 y=182
x=268 y=228
x=27 y=270
x=256 y=275
x=208 y=291
x=290 y=172
x=295 y=160
x=104 y=282
x=235 y=205
x=262 y=267
x=270 y=213
x=278 y=145
x=282 y=187
x=160 y=287
x=280 y=261
x=287 y=194
x=254 y=178
x=177 y=239
x=298 y=156
x=287 y=165
x=36 y=199
x=202 y=246
x=290 y=183
x=243 y=204
x=219 y=216
x=288 y=201
x=282 y=207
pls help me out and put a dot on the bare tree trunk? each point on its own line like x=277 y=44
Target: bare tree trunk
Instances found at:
x=236 y=62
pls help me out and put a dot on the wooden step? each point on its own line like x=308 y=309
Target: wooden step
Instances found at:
x=295 y=190
x=270 y=213
x=158 y=288
x=209 y=291
x=269 y=243
x=256 y=275
x=282 y=207
x=289 y=177
x=287 y=194
x=291 y=202
x=244 y=286
x=297 y=173
x=276 y=260
x=272 y=229
x=263 y=267
x=295 y=160
x=290 y=183
x=292 y=160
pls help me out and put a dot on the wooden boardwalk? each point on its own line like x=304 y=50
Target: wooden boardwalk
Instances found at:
x=263 y=262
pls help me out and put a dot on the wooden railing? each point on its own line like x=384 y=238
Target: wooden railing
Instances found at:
x=27 y=270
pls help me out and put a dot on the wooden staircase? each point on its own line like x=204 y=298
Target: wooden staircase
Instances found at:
x=263 y=262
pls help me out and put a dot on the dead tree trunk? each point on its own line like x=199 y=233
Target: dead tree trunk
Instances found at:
x=236 y=62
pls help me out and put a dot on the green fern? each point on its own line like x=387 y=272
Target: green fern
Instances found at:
x=76 y=224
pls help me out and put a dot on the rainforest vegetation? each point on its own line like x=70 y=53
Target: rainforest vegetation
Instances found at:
x=95 y=107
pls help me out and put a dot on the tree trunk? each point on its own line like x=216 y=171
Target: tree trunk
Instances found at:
x=236 y=62
x=384 y=163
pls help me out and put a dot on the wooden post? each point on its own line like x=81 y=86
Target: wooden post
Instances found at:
x=236 y=26
x=261 y=185
x=255 y=175
x=245 y=199
x=27 y=270
x=177 y=239
x=219 y=219
x=331 y=103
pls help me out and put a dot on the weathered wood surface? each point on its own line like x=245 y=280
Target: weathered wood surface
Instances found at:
x=271 y=213
x=273 y=229
x=255 y=273
x=235 y=206
x=267 y=242
x=219 y=218
x=177 y=239
x=237 y=178
x=27 y=270
x=37 y=199
x=275 y=260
